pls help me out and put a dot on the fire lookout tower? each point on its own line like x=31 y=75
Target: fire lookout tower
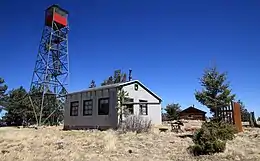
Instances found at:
x=51 y=71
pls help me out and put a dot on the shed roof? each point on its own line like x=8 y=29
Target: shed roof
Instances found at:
x=118 y=85
x=191 y=108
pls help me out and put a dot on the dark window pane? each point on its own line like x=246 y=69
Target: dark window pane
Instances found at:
x=129 y=106
x=143 y=108
x=103 y=106
x=130 y=109
x=87 y=107
x=129 y=99
x=74 y=106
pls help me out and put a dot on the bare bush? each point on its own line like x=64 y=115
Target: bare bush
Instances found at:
x=136 y=124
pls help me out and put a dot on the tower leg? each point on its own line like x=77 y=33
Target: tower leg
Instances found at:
x=50 y=76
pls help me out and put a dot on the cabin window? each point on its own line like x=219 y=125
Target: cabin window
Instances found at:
x=103 y=106
x=143 y=107
x=129 y=105
x=60 y=12
x=87 y=107
x=74 y=108
x=190 y=116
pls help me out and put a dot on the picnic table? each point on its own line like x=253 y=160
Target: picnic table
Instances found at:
x=176 y=126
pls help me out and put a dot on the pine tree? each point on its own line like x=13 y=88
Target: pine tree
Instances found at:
x=244 y=112
x=3 y=89
x=52 y=112
x=215 y=92
x=110 y=80
x=124 y=77
x=121 y=109
x=17 y=107
x=117 y=78
x=173 y=110
x=92 y=84
x=20 y=110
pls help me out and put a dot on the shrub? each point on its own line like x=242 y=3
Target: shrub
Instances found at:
x=211 y=138
x=136 y=124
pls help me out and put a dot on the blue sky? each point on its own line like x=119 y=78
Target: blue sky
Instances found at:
x=166 y=43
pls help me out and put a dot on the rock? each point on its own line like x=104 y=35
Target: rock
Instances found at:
x=5 y=151
x=60 y=145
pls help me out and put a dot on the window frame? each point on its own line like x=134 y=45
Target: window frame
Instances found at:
x=87 y=109
x=143 y=104
x=99 y=106
x=71 y=108
x=132 y=105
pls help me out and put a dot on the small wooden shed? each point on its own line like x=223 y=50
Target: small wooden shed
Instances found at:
x=192 y=113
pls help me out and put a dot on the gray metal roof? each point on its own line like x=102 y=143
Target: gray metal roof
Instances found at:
x=117 y=85
x=97 y=88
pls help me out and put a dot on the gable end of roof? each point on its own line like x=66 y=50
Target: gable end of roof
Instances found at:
x=143 y=86
x=193 y=108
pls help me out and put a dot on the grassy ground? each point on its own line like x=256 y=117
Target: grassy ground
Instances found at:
x=51 y=143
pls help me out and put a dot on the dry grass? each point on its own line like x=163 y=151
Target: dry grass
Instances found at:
x=51 y=143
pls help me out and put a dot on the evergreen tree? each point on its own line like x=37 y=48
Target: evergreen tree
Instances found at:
x=117 y=78
x=172 y=111
x=18 y=108
x=104 y=83
x=244 y=112
x=110 y=80
x=124 y=77
x=121 y=108
x=215 y=92
x=92 y=84
x=52 y=112
x=3 y=89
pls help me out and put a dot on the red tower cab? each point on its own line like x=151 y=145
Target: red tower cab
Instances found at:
x=56 y=17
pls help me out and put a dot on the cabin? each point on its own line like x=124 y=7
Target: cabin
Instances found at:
x=97 y=107
x=192 y=113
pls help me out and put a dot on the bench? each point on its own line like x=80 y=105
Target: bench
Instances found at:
x=163 y=129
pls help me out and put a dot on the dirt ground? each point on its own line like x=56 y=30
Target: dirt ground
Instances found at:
x=53 y=144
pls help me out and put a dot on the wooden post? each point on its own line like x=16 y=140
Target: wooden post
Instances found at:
x=252 y=120
x=237 y=116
